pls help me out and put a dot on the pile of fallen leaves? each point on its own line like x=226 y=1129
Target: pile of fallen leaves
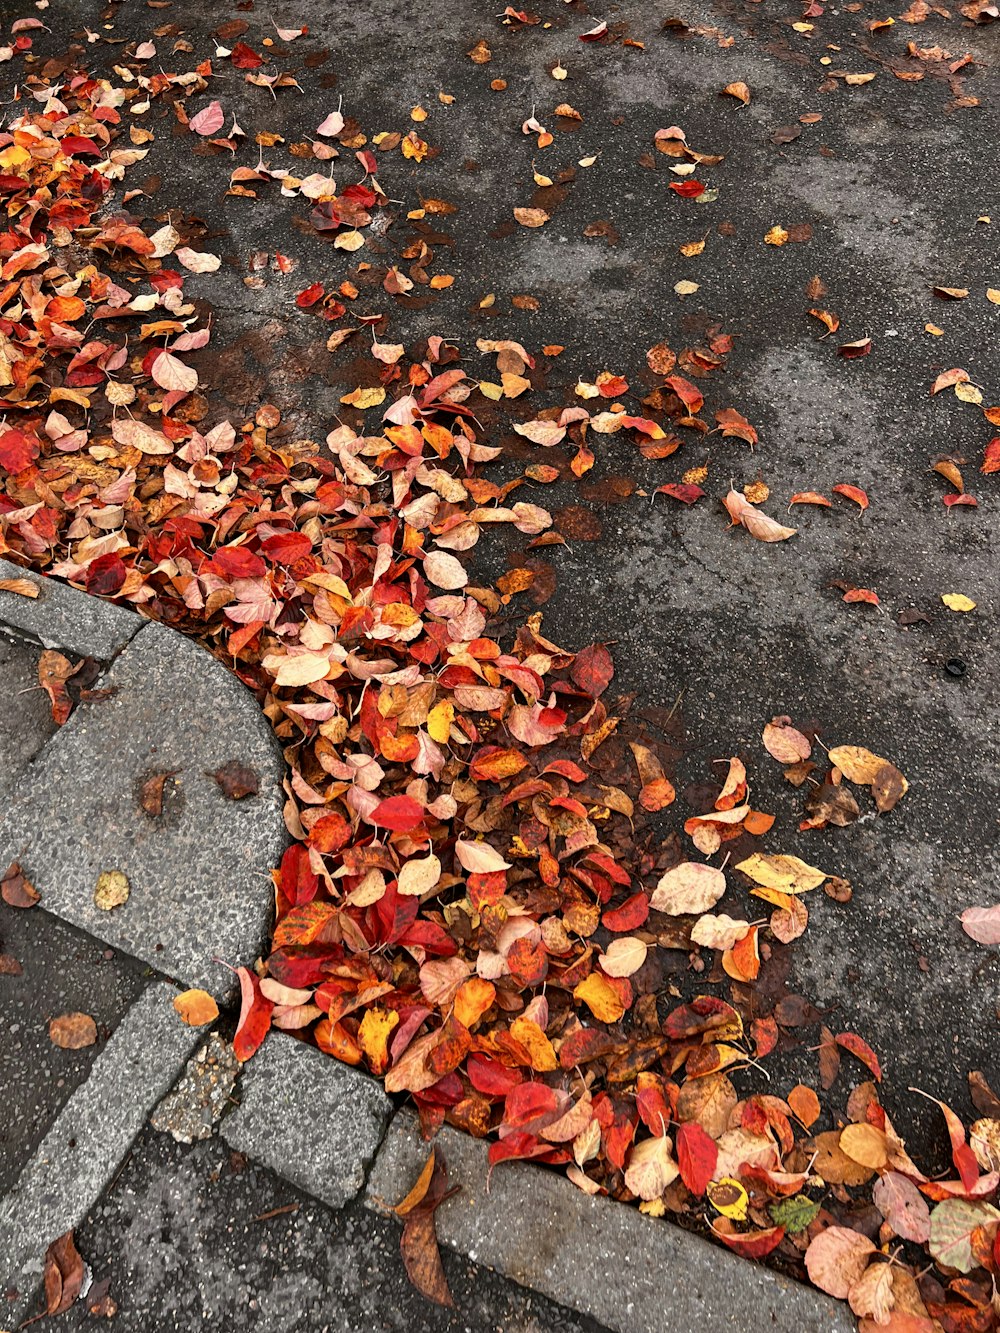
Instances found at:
x=478 y=905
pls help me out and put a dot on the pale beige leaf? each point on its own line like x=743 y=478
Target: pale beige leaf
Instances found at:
x=623 y=956
x=688 y=888
x=836 y=1259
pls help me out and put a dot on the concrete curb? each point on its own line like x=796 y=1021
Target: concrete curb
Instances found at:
x=63 y=617
x=632 y=1273
x=310 y=1119
x=199 y=872
x=90 y=1137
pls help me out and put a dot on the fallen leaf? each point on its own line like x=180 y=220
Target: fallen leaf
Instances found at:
x=16 y=889
x=196 y=1008
x=111 y=891
x=72 y=1031
x=63 y=1273
x=982 y=924
x=688 y=888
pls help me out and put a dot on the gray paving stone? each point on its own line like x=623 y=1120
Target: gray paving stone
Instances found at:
x=64 y=617
x=89 y=1138
x=634 y=1274
x=198 y=873
x=311 y=1119
x=25 y=716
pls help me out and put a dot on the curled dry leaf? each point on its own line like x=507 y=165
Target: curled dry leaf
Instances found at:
x=531 y=217
x=16 y=889
x=64 y=1273
x=759 y=525
x=738 y=90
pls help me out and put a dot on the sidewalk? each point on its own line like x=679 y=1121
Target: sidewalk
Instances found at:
x=274 y=1215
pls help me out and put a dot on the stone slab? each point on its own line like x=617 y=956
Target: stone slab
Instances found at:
x=199 y=874
x=89 y=1138
x=64 y=617
x=634 y=1274
x=25 y=716
x=311 y=1119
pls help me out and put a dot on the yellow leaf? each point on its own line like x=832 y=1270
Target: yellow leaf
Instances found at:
x=439 y=721
x=692 y=248
x=776 y=236
x=786 y=873
x=993 y=294
x=686 y=288
x=969 y=393
x=364 y=398
x=600 y=997
x=472 y=999
x=373 y=1036
x=728 y=1197
x=957 y=601
x=349 y=241
x=536 y=1043
x=112 y=890
x=196 y=1008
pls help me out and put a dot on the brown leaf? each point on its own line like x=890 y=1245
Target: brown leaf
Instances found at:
x=64 y=1274
x=419 y=1243
x=16 y=890
x=23 y=587
x=151 y=792
x=237 y=780
x=73 y=1031
x=53 y=672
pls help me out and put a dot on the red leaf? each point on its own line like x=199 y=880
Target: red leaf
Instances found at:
x=685 y=491
x=106 y=574
x=697 y=1155
x=532 y=1104
x=991 y=459
x=593 y=670
x=629 y=916
x=244 y=57
x=401 y=814
x=236 y=562
x=17 y=450
x=752 y=1244
x=490 y=1077
x=309 y=296
x=255 y=1016
x=286 y=547
x=298 y=882
x=689 y=189
x=854 y=493
x=520 y=1147
x=853 y=1043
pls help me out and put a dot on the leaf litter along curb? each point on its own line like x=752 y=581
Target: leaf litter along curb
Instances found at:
x=475 y=907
